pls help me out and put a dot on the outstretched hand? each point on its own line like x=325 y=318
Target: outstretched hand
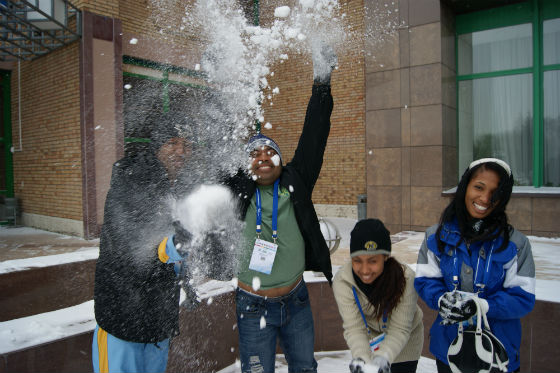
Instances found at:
x=324 y=61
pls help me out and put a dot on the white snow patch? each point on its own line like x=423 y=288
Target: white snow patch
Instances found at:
x=46 y=327
x=49 y=260
x=282 y=12
x=256 y=283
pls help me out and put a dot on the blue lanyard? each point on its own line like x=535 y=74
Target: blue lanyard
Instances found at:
x=479 y=285
x=274 y=211
x=362 y=312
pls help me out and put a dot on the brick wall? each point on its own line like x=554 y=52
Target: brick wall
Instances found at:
x=343 y=174
x=47 y=168
x=47 y=171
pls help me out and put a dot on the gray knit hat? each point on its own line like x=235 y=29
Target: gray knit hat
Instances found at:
x=260 y=140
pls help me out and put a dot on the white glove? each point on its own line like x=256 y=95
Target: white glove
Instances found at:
x=381 y=364
x=378 y=365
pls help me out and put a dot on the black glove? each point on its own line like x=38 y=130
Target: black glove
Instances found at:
x=324 y=61
x=191 y=300
x=218 y=258
x=182 y=238
x=454 y=309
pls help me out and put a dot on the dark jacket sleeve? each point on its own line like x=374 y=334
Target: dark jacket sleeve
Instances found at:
x=308 y=157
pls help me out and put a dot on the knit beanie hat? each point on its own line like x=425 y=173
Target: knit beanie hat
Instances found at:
x=369 y=237
x=260 y=140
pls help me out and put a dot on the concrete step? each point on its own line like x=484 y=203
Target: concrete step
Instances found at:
x=38 y=290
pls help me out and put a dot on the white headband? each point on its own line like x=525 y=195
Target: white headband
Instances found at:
x=503 y=164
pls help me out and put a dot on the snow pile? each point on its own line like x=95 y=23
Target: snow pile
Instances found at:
x=46 y=327
x=50 y=260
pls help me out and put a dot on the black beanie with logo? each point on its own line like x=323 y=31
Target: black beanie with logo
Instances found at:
x=369 y=237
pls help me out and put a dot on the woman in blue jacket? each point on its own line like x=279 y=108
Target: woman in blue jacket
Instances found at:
x=475 y=250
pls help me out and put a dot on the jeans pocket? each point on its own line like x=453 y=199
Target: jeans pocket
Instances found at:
x=247 y=306
x=301 y=298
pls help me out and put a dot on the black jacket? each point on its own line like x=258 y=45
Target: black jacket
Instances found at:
x=301 y=173
x=136 y=296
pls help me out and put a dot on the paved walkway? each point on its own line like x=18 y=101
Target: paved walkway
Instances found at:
x=24 y=242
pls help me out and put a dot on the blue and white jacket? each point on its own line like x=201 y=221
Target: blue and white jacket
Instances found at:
x=505 y=279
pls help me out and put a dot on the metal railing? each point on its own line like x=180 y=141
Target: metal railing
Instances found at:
x=31 y=29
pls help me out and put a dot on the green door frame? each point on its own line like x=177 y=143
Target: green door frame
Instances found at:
x=7 y=139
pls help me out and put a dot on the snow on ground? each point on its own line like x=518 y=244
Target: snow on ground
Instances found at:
x=48 y=260
x=46 y=327
x=332 y=361
x=33 y=330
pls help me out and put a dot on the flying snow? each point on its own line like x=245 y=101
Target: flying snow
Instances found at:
x=282 y=12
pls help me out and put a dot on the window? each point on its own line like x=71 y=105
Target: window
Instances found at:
x=508 y=79
x=151 y=88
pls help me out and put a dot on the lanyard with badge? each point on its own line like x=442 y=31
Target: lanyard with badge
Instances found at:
x=264 y=251
x=374 y=342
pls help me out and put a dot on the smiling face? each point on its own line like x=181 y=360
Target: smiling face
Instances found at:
x=478 y=197
x=369 y=267
x=265 y=165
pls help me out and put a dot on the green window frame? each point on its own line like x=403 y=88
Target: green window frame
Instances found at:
x=166 y=77
x=533 y=12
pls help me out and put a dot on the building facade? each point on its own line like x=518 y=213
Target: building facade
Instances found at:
x=454 y=80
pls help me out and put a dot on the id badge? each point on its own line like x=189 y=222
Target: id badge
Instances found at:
x=375 y=343
x=263 y=256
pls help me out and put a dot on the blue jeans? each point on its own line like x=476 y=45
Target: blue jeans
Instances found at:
x=287 y=318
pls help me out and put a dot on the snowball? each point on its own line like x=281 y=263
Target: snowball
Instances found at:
x=291 y=33
x=282 y=12
x=263 y=322
x=127 y=86
x=208 y=207
x=291 y=188
x=133 y=41
x=275 y=159
x=306 y=3
x=268 y=125
x=256 y=283
x=197 y=67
